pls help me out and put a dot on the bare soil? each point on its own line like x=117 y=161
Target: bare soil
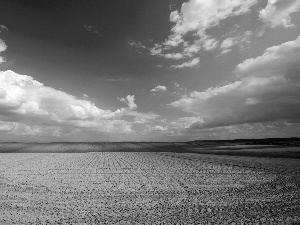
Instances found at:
x=105 y=185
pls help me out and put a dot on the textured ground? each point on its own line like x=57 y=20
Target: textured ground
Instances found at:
x=147 y=188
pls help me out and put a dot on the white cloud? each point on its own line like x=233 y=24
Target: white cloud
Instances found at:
x=229 y=42
x=34 y=109
x=183 y=123
x=142 y=116
x=2 y=27
x=159 y=88
x=243 y=41
x=188 y=37
x=129 y=100
x=209 y=44
x=141 y=121
x=278 y=12
x=175 y=56
x=136 y=44
x=172 y=128
x=191 y=63
x=156 y=128
x=269 y=90
x=252 y=101
x=156 y=50
x=224 y=51
x=3 y=47
x=199 y=15
x=279 y=59
x=6 y=126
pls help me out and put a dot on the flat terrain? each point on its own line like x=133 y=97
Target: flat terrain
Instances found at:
x=223 y=148
x=144 y=187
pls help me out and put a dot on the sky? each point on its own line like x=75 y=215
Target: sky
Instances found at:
x=149 y=70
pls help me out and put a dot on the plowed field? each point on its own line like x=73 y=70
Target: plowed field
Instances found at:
x=147 y=188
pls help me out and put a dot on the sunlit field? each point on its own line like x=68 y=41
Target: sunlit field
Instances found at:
x=144 y=186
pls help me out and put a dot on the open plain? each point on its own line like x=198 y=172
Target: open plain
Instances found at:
x=143 y=183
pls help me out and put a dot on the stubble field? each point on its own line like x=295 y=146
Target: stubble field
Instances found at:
x=144 y=187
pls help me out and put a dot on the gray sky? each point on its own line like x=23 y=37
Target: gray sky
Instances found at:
x=149 y=70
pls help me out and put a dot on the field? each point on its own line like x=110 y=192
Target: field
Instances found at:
x=143 y=183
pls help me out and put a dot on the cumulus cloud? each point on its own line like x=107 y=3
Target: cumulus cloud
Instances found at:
x=3 y=47
x=190 y=63
x=199 y=15
x=188 y=36
x=28 y=105
x=129 y=100
x=278 y=12
x=183 y=123
x=135 y=44
x=141 y=117
x=268 y=90
x=281 y=59
x=175 y=56
x=229 y=42
x=159 y=88
x=243 y=41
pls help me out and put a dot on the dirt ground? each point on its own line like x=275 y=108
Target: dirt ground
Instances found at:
x=147 y=188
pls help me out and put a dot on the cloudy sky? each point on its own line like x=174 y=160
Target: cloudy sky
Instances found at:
x=149 y=70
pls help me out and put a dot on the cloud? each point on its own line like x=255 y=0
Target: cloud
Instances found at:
x=175 y=56
x=278 y=12
x=183 y=123
x=229 y=42
x=189 y=37
x=191 y=63
x=243 y=41
x=28 y=105
x=129 y=100
x=281 y=59
x=136 y=44
x=268 y=91
x=172 y=128
x=142 y=116
x=159 y=88
x=156 y=128
x=199 y=15
x=3 y=47
x=2 y=27
x=92 y=29
x=156 y=50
